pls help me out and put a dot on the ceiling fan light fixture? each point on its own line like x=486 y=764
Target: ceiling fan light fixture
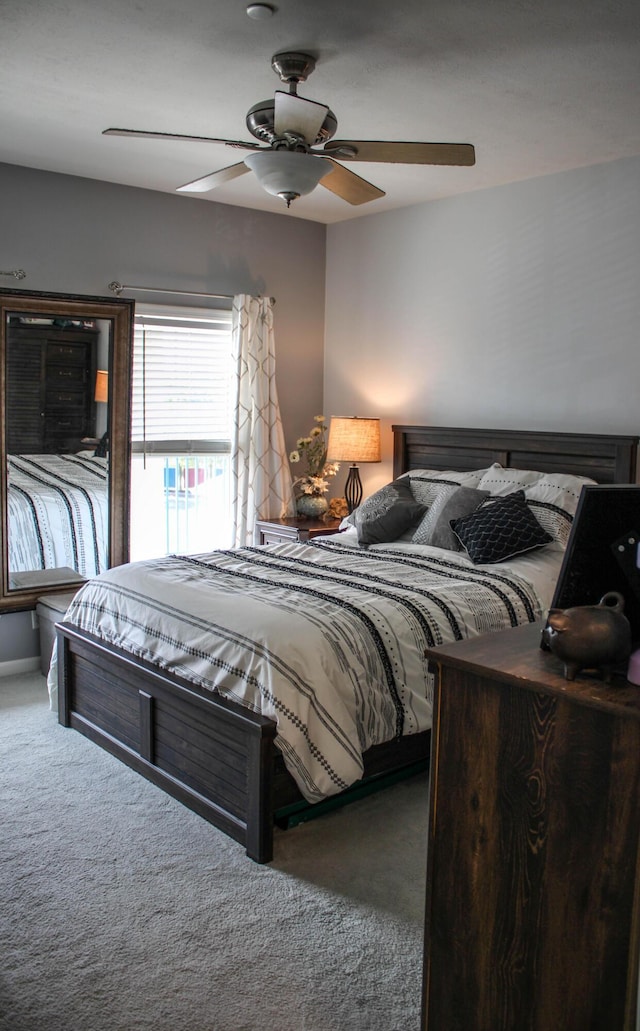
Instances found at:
x=288 y=174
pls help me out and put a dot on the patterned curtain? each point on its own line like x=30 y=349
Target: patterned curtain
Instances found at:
x=262 y=483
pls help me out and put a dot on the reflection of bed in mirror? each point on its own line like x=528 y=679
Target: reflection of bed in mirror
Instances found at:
x=57 y=354
x=58 y=518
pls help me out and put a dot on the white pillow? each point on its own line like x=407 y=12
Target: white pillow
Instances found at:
x=426 y=484
x=552 y=497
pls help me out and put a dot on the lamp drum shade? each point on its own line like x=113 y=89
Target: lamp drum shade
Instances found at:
x=353 y=440
x=102 y=386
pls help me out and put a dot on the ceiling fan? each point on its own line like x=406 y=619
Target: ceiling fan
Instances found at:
x=291 y=127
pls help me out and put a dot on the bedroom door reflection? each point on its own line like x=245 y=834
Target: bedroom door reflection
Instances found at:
x=58 y=376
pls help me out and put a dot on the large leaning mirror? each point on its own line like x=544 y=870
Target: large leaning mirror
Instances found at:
x=65 y=364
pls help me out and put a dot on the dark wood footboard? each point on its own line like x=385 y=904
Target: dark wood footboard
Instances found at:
x=214 y=756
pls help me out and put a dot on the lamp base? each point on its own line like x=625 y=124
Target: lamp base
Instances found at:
x=353 y=489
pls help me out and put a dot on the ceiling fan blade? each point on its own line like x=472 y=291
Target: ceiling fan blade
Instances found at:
x=295 y=114
x=351 y=187
x=219 y=178
x=402 y=153
x=142 y=134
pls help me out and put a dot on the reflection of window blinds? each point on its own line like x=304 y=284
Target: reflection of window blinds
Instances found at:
x=182 y=381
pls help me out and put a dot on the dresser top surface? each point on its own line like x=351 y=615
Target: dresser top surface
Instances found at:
x=515 y=657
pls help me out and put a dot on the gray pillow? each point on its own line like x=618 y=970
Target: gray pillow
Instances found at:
x=435 y=528
x=387 y=514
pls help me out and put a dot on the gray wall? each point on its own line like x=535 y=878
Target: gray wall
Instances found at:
x=516 y=307
x=76 y=235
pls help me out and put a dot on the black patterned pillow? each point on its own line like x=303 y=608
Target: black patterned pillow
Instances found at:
x=500 y=529
x=387 y=514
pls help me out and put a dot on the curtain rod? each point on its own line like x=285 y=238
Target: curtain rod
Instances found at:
x=17 y=273
x=117 y=288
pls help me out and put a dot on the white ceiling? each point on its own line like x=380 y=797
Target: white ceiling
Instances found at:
x=538 y=86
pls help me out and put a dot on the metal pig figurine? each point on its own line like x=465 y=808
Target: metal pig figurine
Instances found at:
x=590 y=636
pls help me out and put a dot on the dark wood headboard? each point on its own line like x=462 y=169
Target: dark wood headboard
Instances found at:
x=602 y=457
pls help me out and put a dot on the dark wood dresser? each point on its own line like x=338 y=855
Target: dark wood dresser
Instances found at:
x=51 y=373
x=533 y=879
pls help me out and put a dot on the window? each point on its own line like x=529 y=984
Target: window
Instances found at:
x=183 y=390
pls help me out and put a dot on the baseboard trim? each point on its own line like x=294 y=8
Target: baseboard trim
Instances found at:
x=15 y=666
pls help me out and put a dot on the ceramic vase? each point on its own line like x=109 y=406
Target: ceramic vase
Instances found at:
x=312 y=506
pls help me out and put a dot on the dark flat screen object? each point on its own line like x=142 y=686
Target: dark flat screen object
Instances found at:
x=606 y=513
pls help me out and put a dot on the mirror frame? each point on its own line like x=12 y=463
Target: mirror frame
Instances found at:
x=120 y=312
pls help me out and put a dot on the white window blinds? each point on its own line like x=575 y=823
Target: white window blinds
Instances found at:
x=183 y=381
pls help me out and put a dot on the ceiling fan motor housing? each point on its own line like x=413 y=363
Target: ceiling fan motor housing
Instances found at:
x=261 y=120
x=292 y=66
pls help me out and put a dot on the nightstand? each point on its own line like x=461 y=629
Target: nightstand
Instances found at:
x=533 y=859
x=278 y=531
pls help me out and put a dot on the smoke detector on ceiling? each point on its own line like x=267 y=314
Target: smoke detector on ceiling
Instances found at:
x=260 y=11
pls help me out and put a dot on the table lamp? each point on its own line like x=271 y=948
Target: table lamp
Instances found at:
x=353 y=440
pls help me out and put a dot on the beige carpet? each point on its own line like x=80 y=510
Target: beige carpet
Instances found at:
x=121 y=910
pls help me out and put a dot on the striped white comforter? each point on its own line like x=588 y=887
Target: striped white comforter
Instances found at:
x=57 y=513
x=325 y=638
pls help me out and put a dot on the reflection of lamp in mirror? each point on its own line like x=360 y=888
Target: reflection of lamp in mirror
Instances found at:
x=102 y=396
x=102 y=386
x=353 y=440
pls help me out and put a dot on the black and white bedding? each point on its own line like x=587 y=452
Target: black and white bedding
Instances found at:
x=57 y=513
x=328 y=638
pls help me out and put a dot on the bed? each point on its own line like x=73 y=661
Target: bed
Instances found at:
x=57 y=513
x=191 y=698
